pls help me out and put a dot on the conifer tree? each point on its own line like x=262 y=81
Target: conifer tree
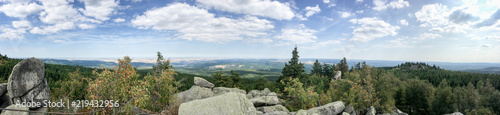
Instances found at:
x=293 y=68
x=317 y=69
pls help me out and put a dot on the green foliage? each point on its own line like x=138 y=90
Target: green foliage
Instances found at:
x=293 y=68
x=342 y=66
x=443 y=101
x=328 y=70
x=297 y=96
x=317 y=69
x=223 y=80
x=419 y=95
x=387 y=86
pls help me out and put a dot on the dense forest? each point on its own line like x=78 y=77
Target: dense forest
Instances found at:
x=413 y=87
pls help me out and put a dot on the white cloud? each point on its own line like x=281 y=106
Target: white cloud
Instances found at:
x=494 y=38
x=398 y=42
x=7 y=33
x=326 y=1
x=403 y=22
x=86 y=26
x=192 y=23
x=359 y=1
x=426 y=36
x=359 y=11
x=265 y=8
x=381 y=4
x=19 y=10
x=485 y=45
x=99 y=9
x=53 y=28
x=21 y=24
x=135 y=0
x=312 y=10
x=299 y=35
x=118 y=20
x=345 y=14
x=261 y=40
x=371 y=28
x=437 y=17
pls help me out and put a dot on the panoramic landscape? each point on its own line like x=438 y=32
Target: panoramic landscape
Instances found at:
x=250 y=57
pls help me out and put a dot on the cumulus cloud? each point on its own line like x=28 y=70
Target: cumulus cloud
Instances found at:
x=382 y=4
x=99 y=9
x=258 y=40
x=53 y=28
x=193 y=23
x=312 y=10
x=441 y=19
x=326 y=1
x=118 y=20
x=371 y=28
x=426 y=36
x=403 y=22
x=265 y=8
x=485 y=45
x=345 y=14
x=299 y=35
x=490 y=21
x=21 y=24
x=7 y=33
x=359 y=1
x=86 y=26
x=458 y=16
x=20 y=10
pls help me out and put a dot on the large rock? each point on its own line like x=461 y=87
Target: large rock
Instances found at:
x=3 y=89
x=277 y=113
x=4 y=99
x=222 y=90
x=349 y=109
x=371 y=111
x=338 y=75
x=257 y=93
x=301 y=112
x=268 y=109
x=194 y=93
x=202 y=82
x=269 y=99
x=7 y=112
x=226 y=104
x=333 y=108
x=28 y=84
x=396 y=111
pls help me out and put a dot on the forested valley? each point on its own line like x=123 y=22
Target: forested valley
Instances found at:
x=413 y=87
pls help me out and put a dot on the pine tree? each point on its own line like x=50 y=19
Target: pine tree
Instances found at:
x=327 y=71
x=316 y=68
x=161 y=64
x=293 y=68
x=343 y=67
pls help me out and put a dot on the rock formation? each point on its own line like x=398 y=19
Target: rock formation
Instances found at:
x=225 y=104
x=27 y=82
x=333 y=108
x=202 y=82
x=338 y=75
x=222 y=90
x=194 y=93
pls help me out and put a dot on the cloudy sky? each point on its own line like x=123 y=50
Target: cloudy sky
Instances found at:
x=417 y=30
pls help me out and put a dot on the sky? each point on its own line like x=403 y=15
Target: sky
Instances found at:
x=404 y=30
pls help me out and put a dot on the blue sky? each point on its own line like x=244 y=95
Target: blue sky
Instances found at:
x=418 y=30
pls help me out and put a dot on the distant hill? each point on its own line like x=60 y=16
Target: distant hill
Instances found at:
x=94 y=63
x=488 y=70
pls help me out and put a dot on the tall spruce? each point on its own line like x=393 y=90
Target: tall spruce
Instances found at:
x=342 y=66
x=293 y=68
x=317 y=69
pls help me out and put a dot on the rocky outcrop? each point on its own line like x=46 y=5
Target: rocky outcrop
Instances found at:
x=27 y=83
x=350 y=110
x=371 y=111
x=333 y=108
x=225 y=104
x=4 y=98
x=194 y=93
x=7 y=112
x=338 y=75
x=269 y=99
x=222 y=90
x=269 y=109
x=277 y=113
x=202 y=82
x=301 y=112
x=257 y=93
x=396 y=111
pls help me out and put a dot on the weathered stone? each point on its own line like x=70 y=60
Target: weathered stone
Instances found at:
x=345 y=113
x=257 y=93
x=202 y=82
x=270 y=99
x=398 y=112
x=259 y=113
x=333 y=108
x=7 y=112
x=27 y=83
x=384 y=114
x=225 y=104
x=371 y=111
x=338 y=75
x=301 y=112
x=3 y=89
x=456 y=113
x=194 y=93
x=268 y=109
x=222 y=90
x=349 y=109
x=277 y=113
